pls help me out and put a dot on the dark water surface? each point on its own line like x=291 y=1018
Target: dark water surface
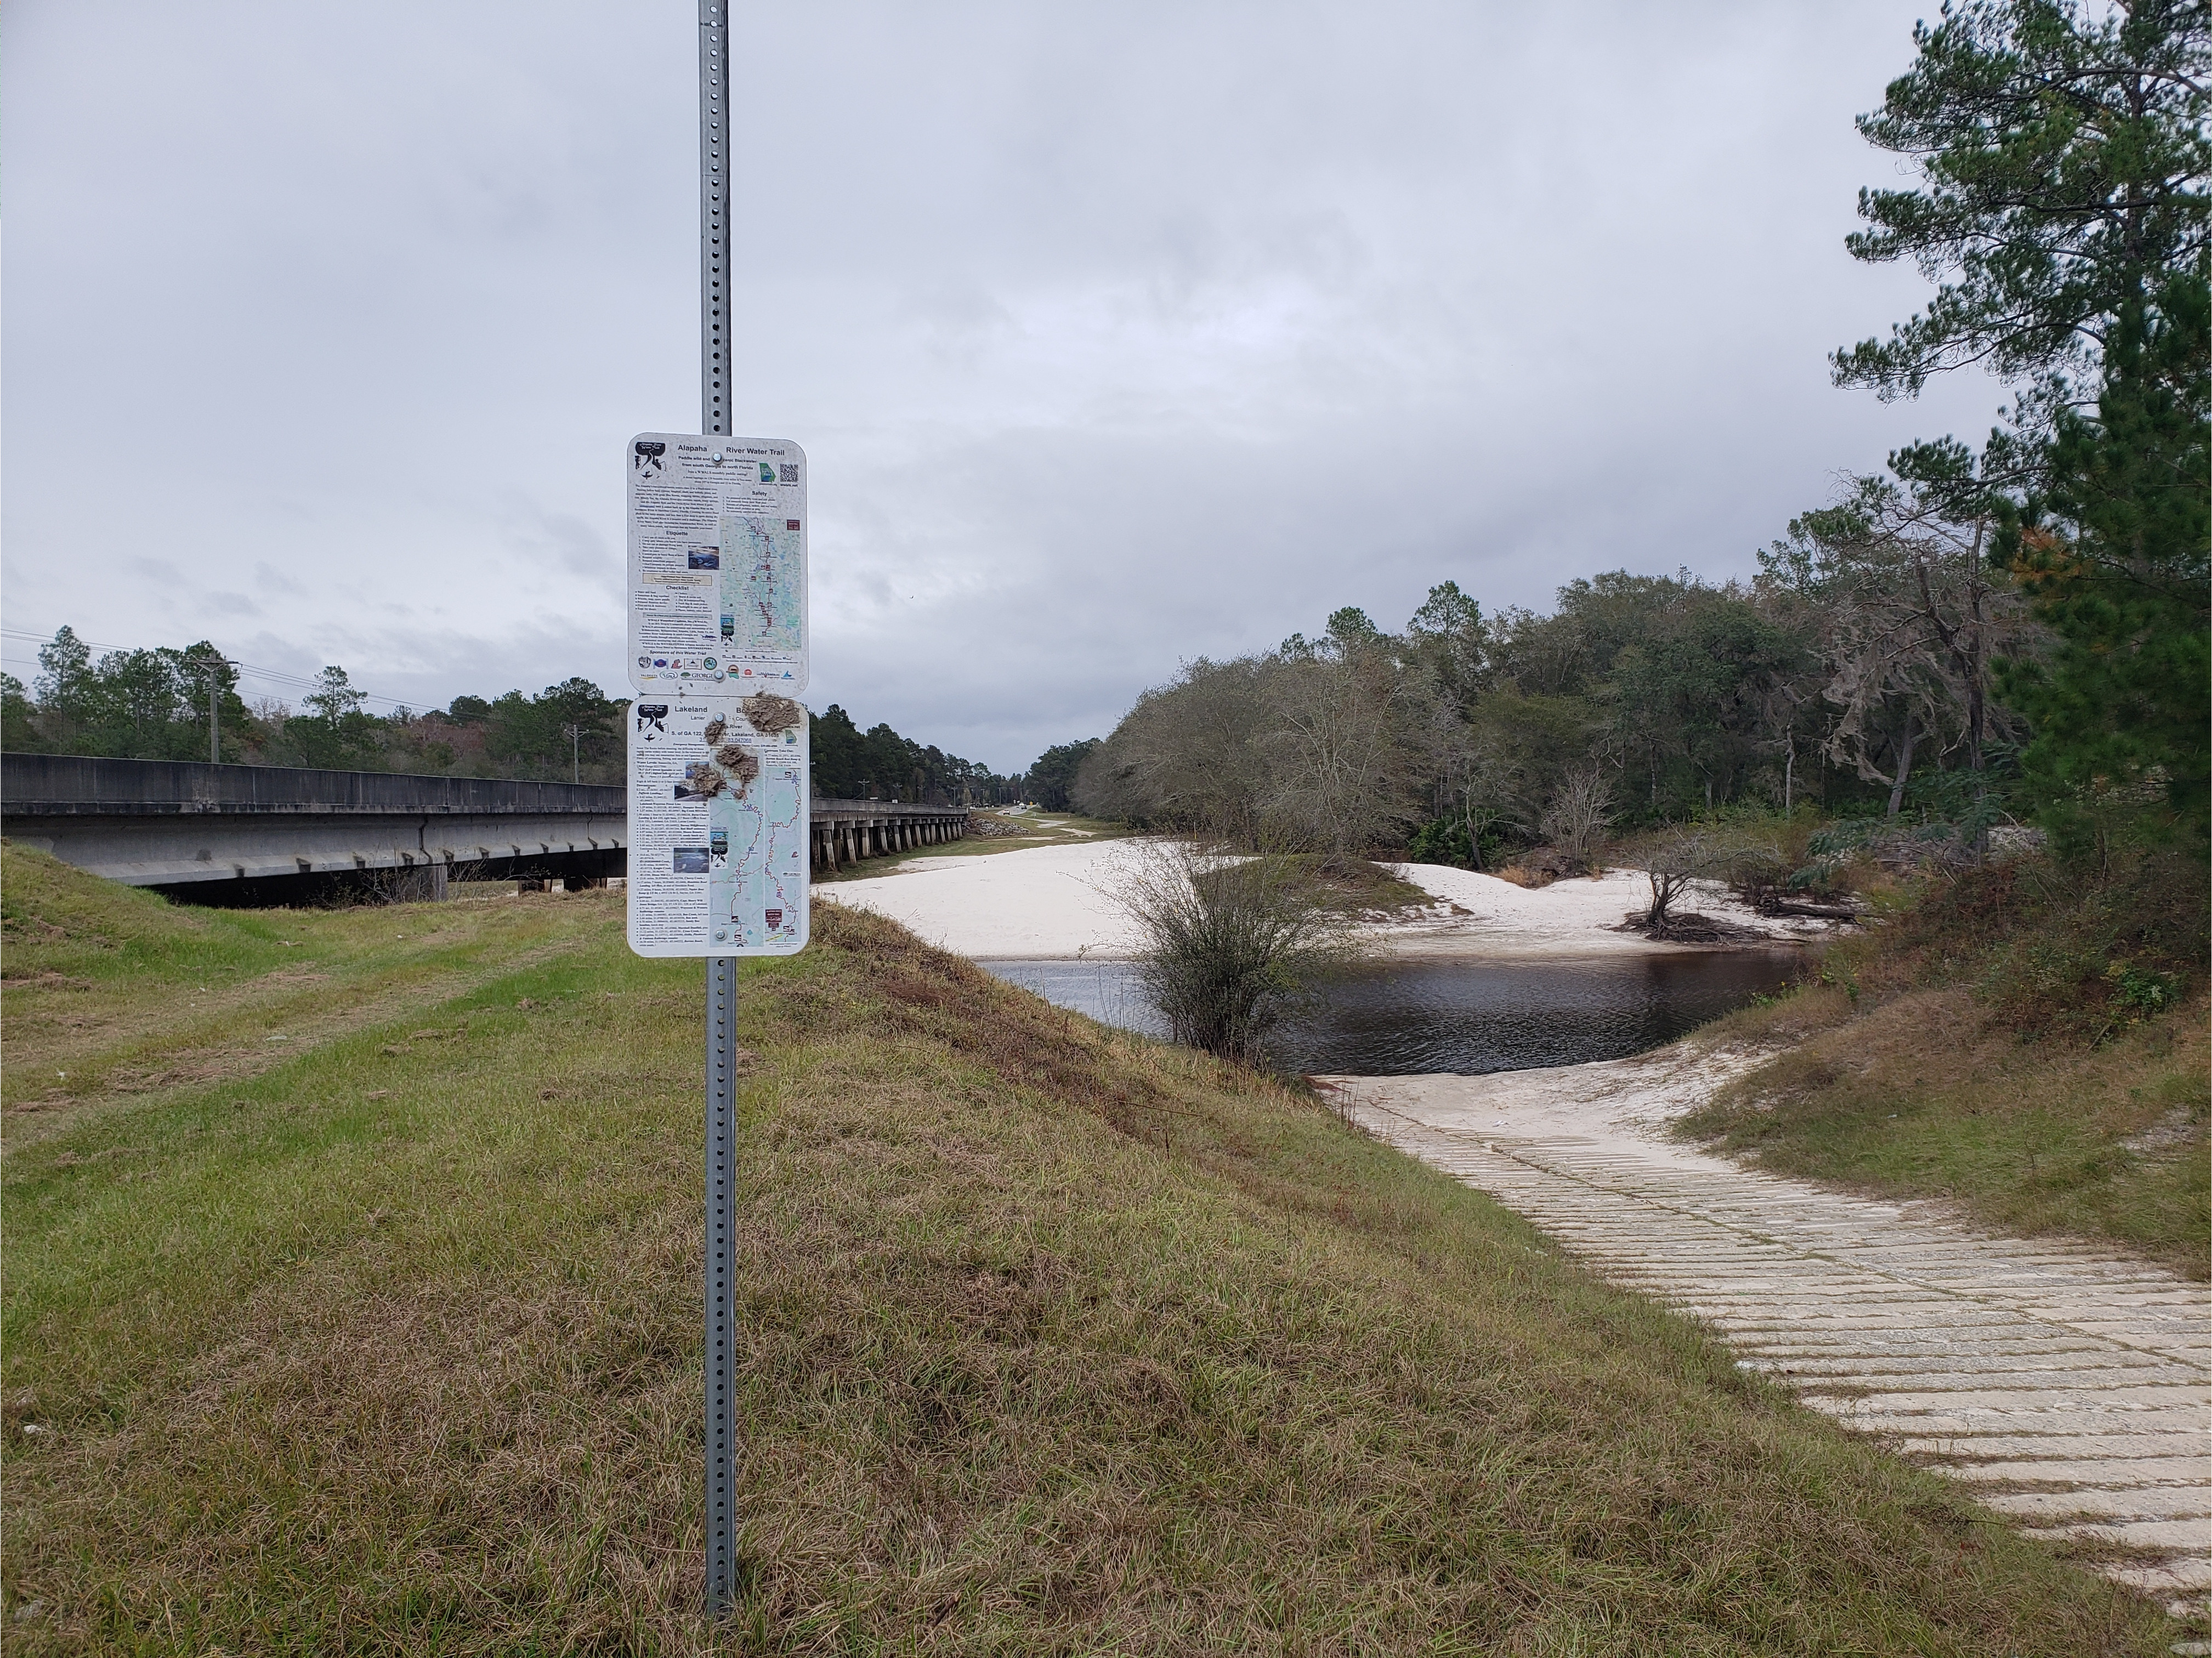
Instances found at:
x=1402 y=1019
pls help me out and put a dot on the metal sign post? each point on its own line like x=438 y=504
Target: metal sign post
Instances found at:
x=722 y=971
x=719 y=842
x=721 y=1214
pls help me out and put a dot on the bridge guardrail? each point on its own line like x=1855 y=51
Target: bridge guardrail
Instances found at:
x=65 y=785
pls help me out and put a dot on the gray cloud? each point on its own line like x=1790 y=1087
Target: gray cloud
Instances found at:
x=1115 y=335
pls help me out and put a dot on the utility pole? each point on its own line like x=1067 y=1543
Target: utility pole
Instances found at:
x=575 y=752
x=212 y=666
x=722 y=971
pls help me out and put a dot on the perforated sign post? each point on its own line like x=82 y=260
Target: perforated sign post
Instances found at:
x=718 y=788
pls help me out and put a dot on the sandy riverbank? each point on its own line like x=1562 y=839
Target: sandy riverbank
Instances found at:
x=1614 y=1104
x=1054 y=904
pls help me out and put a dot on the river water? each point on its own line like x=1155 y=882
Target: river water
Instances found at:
x=1409 y=1017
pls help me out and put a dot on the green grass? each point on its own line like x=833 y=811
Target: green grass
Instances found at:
x=1980 y=1046
x=1361 y=890
x=1920 y=1097
x=1054 y=1340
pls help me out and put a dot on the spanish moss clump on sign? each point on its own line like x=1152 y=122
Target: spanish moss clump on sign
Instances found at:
x=740 y=762
x=769 y=713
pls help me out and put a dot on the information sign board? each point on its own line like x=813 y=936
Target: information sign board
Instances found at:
x=719 y=826
x=717 y=564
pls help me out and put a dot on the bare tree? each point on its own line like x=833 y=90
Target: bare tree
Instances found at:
x=1342 y=775
x=1910 y=612
x=1472 y=777
x=1485 y=795
x=1685 y=860
x=1189 y=754
x=1579 y=812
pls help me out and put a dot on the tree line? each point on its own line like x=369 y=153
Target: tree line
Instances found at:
x=878 y=764
x=155 y=704
x=2017 y=629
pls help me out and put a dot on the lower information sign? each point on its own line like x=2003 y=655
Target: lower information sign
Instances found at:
x=719 y=824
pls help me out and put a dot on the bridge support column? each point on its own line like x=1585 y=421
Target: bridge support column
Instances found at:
x=419 y=883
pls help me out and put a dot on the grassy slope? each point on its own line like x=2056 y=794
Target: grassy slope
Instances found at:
x=1056 y=1340
x=1973 y=1050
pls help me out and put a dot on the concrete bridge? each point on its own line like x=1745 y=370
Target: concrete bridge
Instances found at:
x=276 y=835
x=846 y=831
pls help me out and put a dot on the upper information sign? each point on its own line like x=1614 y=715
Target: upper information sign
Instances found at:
x=717 y=565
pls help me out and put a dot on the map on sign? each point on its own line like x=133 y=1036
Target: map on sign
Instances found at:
x=763 y=586
x=717 y=564
x=756 y=859
x=719 y=812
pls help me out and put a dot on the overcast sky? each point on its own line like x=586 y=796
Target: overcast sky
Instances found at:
x=1115 y=335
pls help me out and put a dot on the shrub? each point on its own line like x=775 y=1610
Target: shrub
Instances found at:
x=2059 y=950
x=1234 y=944
x=1442 y=840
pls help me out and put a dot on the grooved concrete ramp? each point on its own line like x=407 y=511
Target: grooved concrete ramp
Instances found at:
x=2071 y=1387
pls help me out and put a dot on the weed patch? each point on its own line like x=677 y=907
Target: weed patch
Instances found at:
x=1932 y=1093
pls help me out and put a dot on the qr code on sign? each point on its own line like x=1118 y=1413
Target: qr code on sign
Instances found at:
x=790 y=472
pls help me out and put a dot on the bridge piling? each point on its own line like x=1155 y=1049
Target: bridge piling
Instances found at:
x=847 y=832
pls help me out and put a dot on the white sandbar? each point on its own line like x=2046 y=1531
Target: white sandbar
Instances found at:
x=1055 y=903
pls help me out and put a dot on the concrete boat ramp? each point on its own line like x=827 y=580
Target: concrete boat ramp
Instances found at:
x=2069 y=1385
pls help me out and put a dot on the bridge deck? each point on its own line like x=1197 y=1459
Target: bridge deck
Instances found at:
x=276 y=835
